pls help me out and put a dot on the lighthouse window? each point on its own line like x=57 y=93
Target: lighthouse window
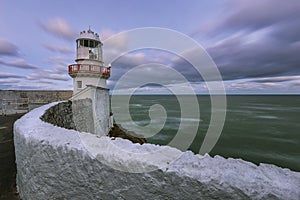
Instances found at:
x=81 y=43
x=92 y=44
x=86 y=43
x=79 y=84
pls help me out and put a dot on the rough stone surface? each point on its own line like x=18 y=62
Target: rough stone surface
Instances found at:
x=37 y=96
x=118 y=131
x=77 y=115
x=60 y=115
x=55 y=163
x=101 y=121
x=83 y=117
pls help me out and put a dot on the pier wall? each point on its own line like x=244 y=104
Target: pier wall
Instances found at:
x=36 y=96
x=58 y=163
x=21 y=101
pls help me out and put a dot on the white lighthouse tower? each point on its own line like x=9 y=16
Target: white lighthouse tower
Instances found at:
x=89 y=83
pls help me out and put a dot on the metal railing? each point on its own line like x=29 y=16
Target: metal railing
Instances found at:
x=104 y=72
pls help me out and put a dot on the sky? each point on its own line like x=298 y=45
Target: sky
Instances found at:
x=255 y=44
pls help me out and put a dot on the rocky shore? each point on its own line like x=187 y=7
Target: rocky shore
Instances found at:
x=119 y=131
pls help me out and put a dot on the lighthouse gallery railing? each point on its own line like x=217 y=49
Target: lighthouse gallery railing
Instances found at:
x=84 y=68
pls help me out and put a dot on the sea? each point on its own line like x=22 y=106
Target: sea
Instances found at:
x=257 y=128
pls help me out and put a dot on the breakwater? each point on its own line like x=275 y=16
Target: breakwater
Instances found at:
x=55 y=163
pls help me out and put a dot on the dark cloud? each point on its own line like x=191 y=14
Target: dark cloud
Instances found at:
x=237 y=58
x=287 y=31
x=254 y=15
x=10 y=75
x=257 y=39
x=59 y=28
x=20 y=63
x=5 y=82
x=152 y=85
x=129 y=61
x=7 y=48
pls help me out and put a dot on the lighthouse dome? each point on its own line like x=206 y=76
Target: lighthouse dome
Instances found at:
x=89 y=34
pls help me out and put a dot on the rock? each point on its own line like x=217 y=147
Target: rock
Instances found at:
x=119 y=131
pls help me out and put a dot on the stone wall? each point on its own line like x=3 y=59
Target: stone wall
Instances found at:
x=76 y=114
x=37 y=96
x=60 y=115
x=57 y=163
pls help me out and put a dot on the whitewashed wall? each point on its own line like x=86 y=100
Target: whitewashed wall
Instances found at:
x=53 y=163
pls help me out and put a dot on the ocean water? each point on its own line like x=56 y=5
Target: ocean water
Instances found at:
x=258 y=128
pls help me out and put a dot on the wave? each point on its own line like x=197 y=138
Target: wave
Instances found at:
x=266 y=117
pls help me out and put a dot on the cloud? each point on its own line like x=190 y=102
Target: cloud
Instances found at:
x=126 y=62
x=287 y=31
x=7 y=48
x=270 y=85
x=46 y=75
x=45 y=81
x=276 y=79
x=254 y=15
x=20 y=63
x=37 y=81
x=255 y=39
x=3 y=82
x=22 y=86
x=240 y=58
x=59 y=28
x=9 y=75
x=59 y=49
x=60 y=61
x=49 y=74
x=59 y=77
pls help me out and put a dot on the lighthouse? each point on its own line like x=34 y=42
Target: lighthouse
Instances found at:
x=89 y=85
x=89 y=68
